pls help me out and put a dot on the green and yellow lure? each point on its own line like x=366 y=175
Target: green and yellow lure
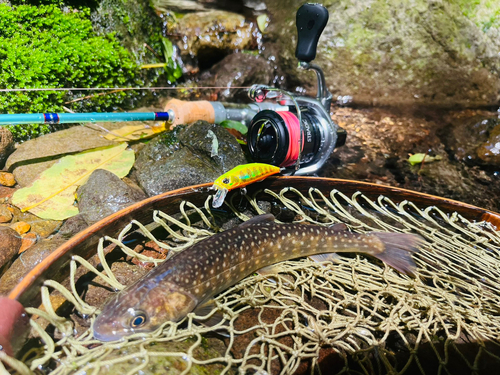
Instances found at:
x=239 y=177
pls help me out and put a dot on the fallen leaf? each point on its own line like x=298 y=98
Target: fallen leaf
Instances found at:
x=236 y=125
x=262 y=22
x=130 y=133
x=419 y=158
x=51 y=196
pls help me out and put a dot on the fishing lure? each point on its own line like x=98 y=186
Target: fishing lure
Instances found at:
x=239 y=177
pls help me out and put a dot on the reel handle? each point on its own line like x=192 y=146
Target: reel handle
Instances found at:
x=311 y=21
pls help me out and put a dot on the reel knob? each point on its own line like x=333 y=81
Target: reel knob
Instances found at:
x=311 y=20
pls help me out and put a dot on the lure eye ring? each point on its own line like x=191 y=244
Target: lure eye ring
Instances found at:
x=138 y=320
x=226 y=181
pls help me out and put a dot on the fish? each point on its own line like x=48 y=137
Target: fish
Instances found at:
x=190 y=279
x=239 y=177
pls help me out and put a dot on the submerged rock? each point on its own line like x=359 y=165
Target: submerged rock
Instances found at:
x=183 y=157
x=400 y=52
x=104 y=194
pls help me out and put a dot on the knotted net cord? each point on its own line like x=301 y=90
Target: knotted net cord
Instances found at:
x=372 y=318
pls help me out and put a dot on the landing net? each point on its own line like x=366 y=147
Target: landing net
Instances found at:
x=354 y=315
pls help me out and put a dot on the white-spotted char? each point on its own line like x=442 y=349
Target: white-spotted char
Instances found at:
x=197 y=274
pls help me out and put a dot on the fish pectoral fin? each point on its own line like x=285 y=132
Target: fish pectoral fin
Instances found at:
x=326 y=257
x=271 y=272
x=268 y=270
x=214 y=320
x=205 y=308
x=339 y=227
x=258 y=219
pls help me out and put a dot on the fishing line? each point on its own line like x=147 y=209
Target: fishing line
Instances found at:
x=126 y=88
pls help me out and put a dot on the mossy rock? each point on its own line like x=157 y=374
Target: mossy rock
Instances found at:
x=397 y=52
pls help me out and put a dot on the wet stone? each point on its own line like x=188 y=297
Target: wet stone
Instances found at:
x=183 y=157
x=5 y=214
x=25 y=263
x=207 y=34
x=238 y=70
x=10 y=242
x=6 y=192
x=99 y=291
x=6 y=144
x=43 y=228
x=71 y=226
x=21 y=227
x=7 y=179
x=29 y=239
x=104 y=194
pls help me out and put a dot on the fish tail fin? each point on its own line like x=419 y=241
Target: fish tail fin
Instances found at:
x=399 y=248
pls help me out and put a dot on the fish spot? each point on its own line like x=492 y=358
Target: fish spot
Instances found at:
x=197 y=290
x=252 y=244
x=288 y=234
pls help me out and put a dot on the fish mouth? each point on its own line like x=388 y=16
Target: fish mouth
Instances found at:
x=109 y=332
x=102 y=336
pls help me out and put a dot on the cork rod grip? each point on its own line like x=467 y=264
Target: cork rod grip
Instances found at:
x=187 y=112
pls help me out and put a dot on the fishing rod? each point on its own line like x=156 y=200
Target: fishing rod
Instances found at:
x=71 y=118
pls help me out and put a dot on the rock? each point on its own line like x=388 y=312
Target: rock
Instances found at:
x=6 y=192
x=43 y=228
x=388 y=52
x=21 y=227
x=211 y=35
x=71 y=226
x=239 y=69
x=379 y=143
x=464 y=132
x=5 y=214
x=209 y=348
x=33 y=154
x=182 y=157
x=7 y=179
x=29 y=239
x=10 y=242
x=6 y=144
x=104 y=194
x=135 y=24
x=489 y=151
x=99 y=291
x=25 y=263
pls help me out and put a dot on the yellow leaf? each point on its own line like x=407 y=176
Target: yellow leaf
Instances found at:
x=130 y=133
x=51 y=196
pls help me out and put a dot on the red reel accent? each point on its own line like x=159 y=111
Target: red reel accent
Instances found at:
x=293 y=126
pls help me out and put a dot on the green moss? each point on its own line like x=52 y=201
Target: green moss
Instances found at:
x=44 y=47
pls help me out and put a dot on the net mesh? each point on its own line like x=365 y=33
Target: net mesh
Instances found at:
x=355 y=314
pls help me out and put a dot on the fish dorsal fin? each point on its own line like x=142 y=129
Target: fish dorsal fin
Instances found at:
x=259 y=219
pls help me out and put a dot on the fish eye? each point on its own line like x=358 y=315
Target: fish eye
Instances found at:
x=138 y=320
x=225 y=181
